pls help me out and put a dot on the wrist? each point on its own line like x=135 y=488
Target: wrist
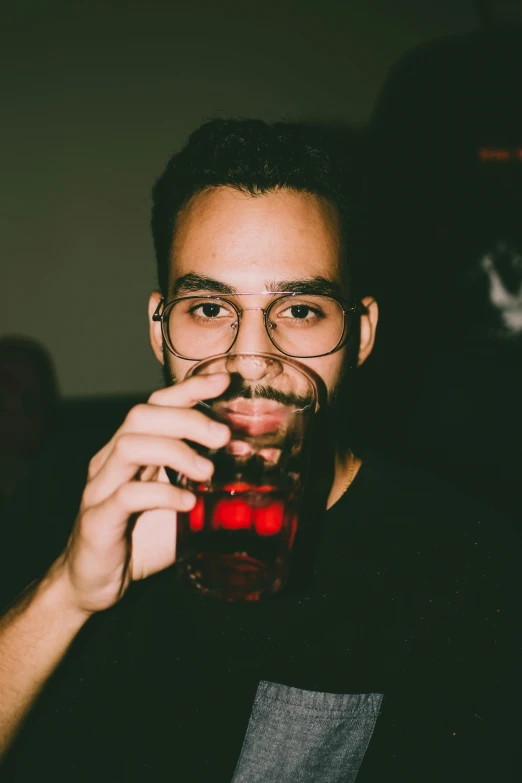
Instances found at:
x=57 y=592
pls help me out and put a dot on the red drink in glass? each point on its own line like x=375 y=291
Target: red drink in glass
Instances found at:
x=236 y=542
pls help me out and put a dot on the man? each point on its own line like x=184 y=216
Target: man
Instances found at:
x=390 y=658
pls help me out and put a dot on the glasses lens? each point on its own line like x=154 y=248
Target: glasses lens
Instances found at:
x=299 y=326
x=305 y=325
x=200 y=327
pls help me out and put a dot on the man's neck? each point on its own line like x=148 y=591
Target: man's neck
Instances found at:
x=347 y=466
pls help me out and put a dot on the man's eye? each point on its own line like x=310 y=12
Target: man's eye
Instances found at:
x=209 y=310
x=299 y=312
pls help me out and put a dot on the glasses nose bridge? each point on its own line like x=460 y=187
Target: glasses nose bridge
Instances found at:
x=245 y=309
x=248 y=335
x=263 y=310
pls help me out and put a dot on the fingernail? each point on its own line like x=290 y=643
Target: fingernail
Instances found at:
x=203 y=465
x=219 y=430
x=188 y=500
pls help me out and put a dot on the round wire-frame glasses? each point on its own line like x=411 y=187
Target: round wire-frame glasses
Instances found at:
x=357 y=309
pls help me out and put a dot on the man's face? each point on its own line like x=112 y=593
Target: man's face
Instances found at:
x=252 y=244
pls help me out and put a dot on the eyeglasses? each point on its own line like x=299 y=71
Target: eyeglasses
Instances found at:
x=300 y=325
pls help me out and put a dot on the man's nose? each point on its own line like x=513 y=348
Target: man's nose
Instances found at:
x=252 y=335
x=254 y=369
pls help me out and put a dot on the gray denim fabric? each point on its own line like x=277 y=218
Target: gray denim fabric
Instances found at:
x=298 y=736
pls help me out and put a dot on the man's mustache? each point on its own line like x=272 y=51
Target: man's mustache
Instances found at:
x=264 y=392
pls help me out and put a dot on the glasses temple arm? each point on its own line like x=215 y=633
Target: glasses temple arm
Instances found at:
x=156 y=315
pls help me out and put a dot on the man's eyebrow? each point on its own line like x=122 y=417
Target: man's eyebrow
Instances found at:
x=191 y=283
x=310 y=285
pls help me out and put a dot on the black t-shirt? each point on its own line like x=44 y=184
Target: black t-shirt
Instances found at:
x=396 y=660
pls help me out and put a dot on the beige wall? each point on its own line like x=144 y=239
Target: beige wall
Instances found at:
x=96 y=96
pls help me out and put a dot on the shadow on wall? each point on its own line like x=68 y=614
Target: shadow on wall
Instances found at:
x=29 y=401
x=105 y=414
x=32 y=411
x=446 y=200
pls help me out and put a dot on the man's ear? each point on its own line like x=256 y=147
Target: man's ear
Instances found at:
x=155 y=336
x=368 y=327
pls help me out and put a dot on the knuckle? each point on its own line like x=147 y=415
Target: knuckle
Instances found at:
x=122 y=444
x=92 y=468
x=88 y=498
x=85 y=502
x=155 y=398
x=136 y=415
x=86 y=518
x=123 y=496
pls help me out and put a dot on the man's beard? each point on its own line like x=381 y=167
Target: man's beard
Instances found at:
x=337 y=417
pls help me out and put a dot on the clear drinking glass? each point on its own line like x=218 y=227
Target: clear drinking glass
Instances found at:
x=236 y=543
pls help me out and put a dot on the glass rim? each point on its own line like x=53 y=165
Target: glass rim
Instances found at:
x=303 y=369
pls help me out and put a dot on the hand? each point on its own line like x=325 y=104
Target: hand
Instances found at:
x=126 y=526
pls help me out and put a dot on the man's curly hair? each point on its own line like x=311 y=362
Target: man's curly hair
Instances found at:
x=256 y=158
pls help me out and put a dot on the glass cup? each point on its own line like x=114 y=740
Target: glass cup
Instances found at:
x=236 y=543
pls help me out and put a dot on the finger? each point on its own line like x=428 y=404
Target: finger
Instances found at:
x=131 y=498
x=177 y=423
x=186 y=394
x=132 y=451
x=183 y=395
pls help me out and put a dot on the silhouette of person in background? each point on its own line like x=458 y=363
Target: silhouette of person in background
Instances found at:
x=28 y=406
x=446 y=200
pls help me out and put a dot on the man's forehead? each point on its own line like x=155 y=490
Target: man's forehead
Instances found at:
x=215 y=213
x=243 y=243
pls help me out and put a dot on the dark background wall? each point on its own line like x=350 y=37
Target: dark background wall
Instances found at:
x=96 y=96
